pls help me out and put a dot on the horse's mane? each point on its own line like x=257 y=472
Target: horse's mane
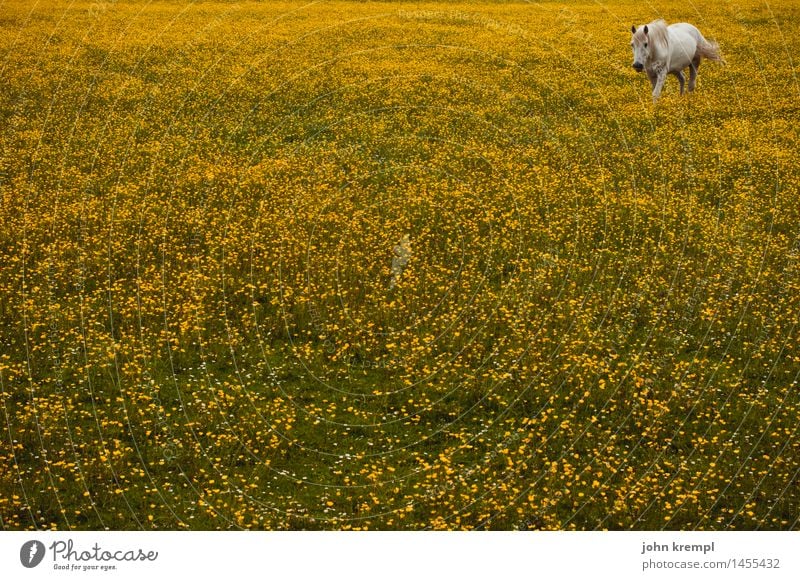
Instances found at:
x=657 y=31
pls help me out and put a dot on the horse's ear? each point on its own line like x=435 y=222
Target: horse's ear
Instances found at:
x=645 y=28
x=633 y=29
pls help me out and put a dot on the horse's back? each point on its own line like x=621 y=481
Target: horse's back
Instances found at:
x=684 y=29
x=683 y=41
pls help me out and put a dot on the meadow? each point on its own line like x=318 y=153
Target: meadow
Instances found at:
x=209 y=317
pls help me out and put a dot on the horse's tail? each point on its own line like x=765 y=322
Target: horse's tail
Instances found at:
x=709 y=50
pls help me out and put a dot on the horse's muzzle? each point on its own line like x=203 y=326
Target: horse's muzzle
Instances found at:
x=638 y=67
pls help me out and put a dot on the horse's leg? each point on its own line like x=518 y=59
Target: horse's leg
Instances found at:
x=653 y=77
x=681 y=78
x=660 y=78
x=693 y=72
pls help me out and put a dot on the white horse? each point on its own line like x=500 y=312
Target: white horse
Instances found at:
x=659 y=50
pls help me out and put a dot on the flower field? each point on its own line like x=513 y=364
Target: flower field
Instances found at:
x=384 y=265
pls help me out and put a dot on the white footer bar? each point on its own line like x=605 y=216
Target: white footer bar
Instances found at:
x=400 y=555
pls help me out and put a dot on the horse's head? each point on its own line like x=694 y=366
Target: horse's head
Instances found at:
x=640 y=43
